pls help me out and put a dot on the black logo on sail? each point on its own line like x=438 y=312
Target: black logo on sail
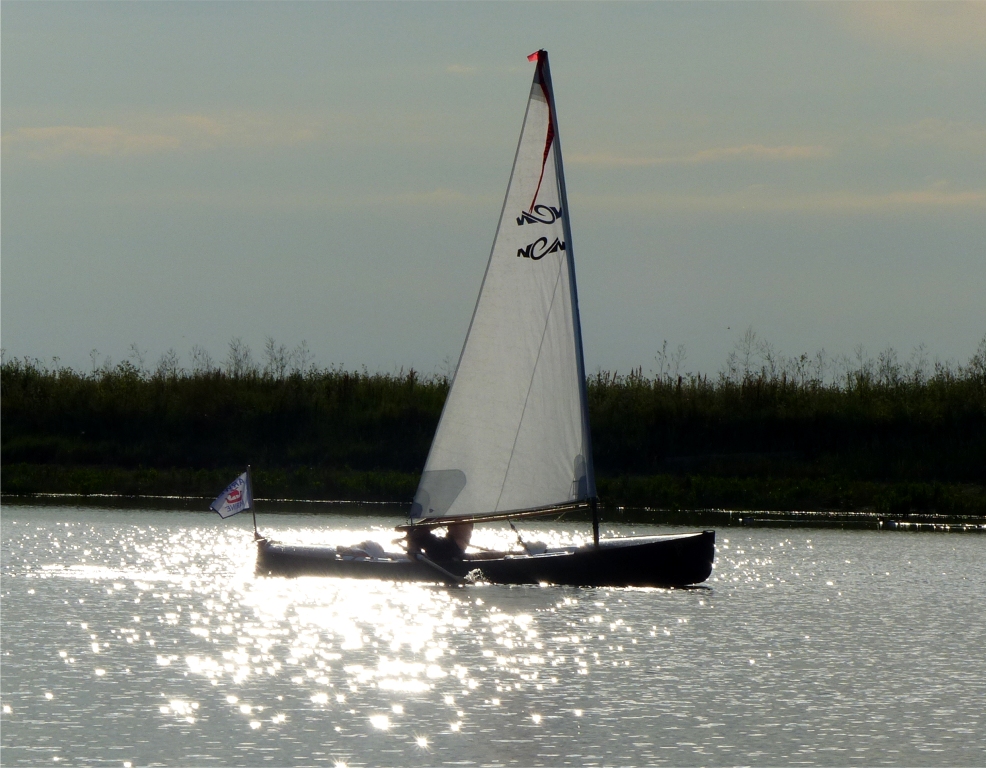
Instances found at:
x=540 y=248
x=539 y=214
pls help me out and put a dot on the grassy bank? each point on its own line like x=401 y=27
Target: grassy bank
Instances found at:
x=784 y=434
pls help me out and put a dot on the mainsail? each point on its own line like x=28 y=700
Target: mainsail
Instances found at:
x=514 y=434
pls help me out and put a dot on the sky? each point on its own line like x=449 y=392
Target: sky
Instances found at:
x=185 y=174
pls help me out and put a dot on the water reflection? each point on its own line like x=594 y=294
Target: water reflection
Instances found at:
x=150 y=631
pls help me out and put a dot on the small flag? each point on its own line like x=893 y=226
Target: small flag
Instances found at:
x=534 y=56
x=235 y=498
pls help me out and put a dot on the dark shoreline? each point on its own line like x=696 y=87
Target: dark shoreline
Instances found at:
x=673 y=492
x=628 y=499
x=718 y=518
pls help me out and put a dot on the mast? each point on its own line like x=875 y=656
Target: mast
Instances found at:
x=542 y=58
x=253 y=510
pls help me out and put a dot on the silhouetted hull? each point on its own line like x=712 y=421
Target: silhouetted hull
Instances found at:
x=645 y=561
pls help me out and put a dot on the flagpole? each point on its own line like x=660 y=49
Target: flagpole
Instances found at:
x=253 y=511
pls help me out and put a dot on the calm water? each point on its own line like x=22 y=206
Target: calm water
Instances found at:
x=142 y=637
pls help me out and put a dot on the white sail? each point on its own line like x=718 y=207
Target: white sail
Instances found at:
x=514 y=433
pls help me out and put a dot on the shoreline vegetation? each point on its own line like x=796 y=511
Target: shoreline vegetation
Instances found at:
x=768 y=432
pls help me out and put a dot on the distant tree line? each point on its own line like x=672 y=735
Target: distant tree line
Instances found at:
x=767 y=432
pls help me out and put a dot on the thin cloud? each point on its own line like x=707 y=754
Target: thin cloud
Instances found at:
x=279 y=199
x=713 y=155
x=758 y=199
x=53 y=142
x=156 y=134
x=461 y=69
x=437 y=198
x=936 y=197
x=760 y=152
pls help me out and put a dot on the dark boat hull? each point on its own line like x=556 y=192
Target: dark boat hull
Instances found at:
x=648 y=561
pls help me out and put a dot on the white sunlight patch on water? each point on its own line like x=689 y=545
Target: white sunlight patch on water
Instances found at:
x=422 y=675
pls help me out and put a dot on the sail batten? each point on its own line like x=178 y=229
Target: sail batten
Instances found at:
x=514 y=432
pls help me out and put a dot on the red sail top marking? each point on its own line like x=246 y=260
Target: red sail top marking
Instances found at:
x=539 y=77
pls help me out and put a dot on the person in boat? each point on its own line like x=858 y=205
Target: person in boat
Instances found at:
x=452 y=546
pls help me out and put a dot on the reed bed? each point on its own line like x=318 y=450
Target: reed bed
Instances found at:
x=766 y=432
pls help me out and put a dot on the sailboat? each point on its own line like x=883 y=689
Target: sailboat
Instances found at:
x=513 y=439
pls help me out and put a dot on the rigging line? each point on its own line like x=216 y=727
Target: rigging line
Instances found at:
x=530 y=384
